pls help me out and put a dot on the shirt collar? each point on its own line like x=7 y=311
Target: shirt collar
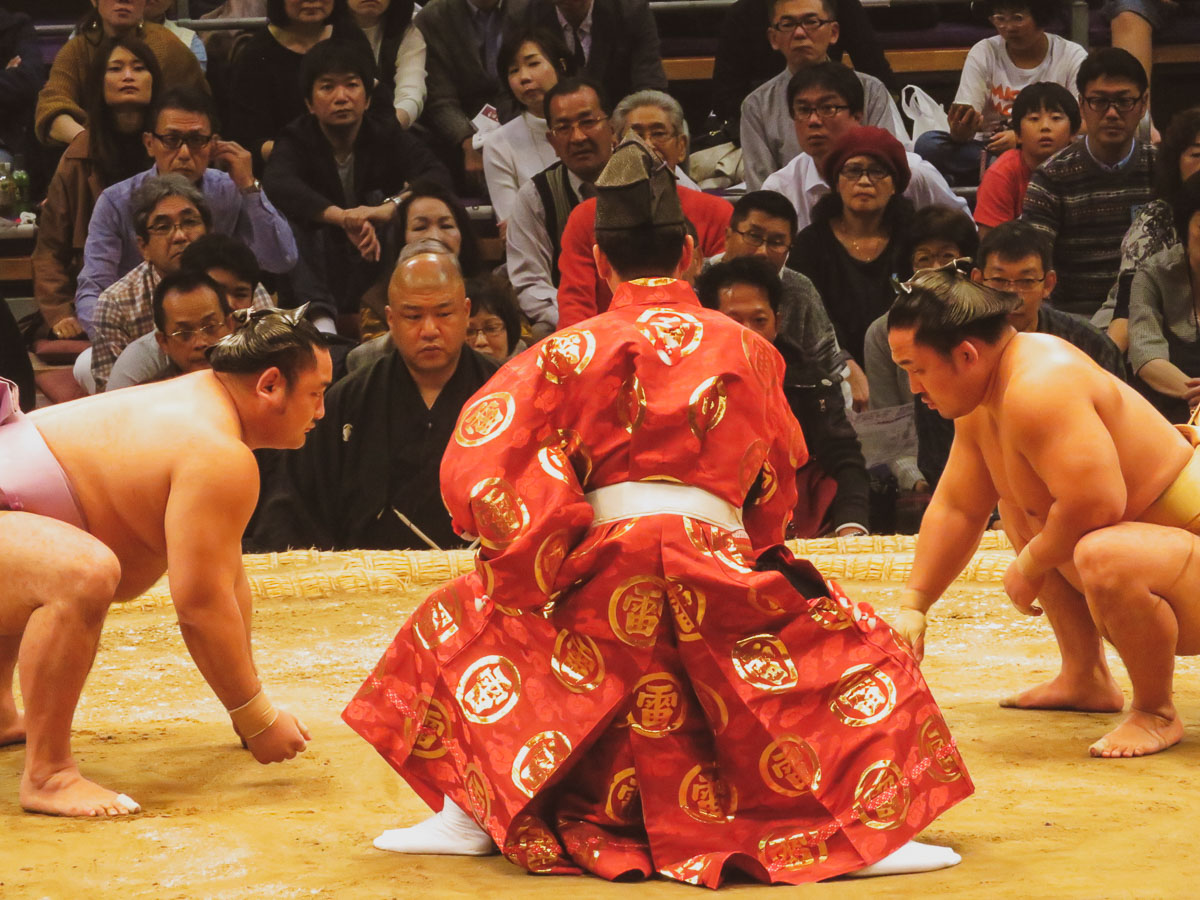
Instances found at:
x=810 y=175
x=654 y=292
x=585 y=27
x=1087 y=145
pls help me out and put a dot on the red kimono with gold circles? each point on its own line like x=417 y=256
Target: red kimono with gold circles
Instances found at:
x=655 y=694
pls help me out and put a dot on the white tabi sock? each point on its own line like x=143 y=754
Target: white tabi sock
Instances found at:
x=912 y=857
x=450 y=832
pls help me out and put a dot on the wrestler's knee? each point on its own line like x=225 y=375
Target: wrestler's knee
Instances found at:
x=1100 y=559
x=89 y=578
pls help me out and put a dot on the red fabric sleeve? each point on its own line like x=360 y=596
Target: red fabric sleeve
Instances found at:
x=581 y=295
x=999 y=197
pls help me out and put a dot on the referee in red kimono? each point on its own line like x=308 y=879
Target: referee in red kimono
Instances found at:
x=637 y=677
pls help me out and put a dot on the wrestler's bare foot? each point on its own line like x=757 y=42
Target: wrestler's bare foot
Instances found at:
x=12 y=727
x=1093 y=695
x=67 y=793
x=1141 y=734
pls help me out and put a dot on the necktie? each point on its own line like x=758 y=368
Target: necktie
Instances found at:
x=580 y=59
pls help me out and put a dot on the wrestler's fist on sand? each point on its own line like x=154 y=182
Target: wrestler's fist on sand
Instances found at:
x=1022 y=591
x=909 y=623
x=286 y=737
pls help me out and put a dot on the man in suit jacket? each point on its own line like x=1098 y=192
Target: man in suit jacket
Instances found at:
x=613 y=41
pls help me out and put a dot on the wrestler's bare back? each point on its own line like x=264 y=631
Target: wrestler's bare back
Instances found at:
x=1151 y=452
x=124 y=451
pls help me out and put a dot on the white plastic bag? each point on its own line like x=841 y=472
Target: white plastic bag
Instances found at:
x=926 y=113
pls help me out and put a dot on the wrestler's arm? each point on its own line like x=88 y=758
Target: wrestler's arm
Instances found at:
x=212 y=498
x=1070 y=449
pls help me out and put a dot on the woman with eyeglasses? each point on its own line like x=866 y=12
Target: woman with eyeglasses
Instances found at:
x=60 y=114
x=529 y=63
x=1164 y=314
x=852 y=249
x=265 y=91
x=125 y=80
x=494 y=328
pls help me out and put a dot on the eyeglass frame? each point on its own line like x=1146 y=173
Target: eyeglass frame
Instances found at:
x=846 y=173
x=1001 y=20
x=194 y=142
x=1112 y=103
x=491 y=329
x=816 y=23
x=805 y=111
x=564 y=129
x=1014 y=285
x=166 y=229
x=187 y=335
x=756 y=240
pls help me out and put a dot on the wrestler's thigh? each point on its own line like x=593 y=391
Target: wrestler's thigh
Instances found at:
x=1163 y=561
x=47 y=561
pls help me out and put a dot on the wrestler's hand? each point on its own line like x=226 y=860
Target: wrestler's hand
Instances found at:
x=1023 y=591
x=909 y=623
x=283 y=740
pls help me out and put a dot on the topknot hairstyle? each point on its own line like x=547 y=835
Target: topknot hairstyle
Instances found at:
x=945 y=307
x=266 y=338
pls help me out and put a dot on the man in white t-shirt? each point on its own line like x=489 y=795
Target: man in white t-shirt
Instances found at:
x=996 y=70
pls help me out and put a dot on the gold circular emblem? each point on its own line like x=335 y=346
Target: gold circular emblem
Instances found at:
x=764 y=602
x=488 y=689
x=554 y=463
x=531 y=845
x=789 y=766
x=937 y=747
x=549 y=560
x=706 y=407
x=500 y=513
x=706 y=797
x=760 y=357
x=538 y=759
x=436 y=620
x=763 y=661
x=566 y=354
x=750 y=465
x=673 y=334
x=433 y=733
x=635 y=609
x=623 y=797
x=882 y=797
x=864 y=695
x=768 y=484
x=631 y=404
x=658 y=707
x=829 y=614
x=478 y=797
x=789 y=850
x=687 y=607
x=715 y=711
x=485 y=419
x=577 y=661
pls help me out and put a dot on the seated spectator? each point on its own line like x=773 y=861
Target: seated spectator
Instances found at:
x=801 y=30
x=763 y=224
x=157 y=11
x=745 y=58
x=826 y=101
x=168 y=213
x=190 y=315
x=996 y=70
x=1016 y=258
x=613 y=41
x=427 y=212
x=1153 y=228
x=337 y=174
x=184 y=141
x=399 y=52
x=657 y=118
x=227 y=262
x=1084 y=198
x=367 y=477
x=1132 y=24
x=264 y=84
x=582 y=136
x=494 y=328
x=462 y=44
x=582 y=293
x=1046 y=118
x=853 y=246
x=1164 y=340
x=833 y=484
x=22 y=74
x=109 y=150
x=937 y=236
x=60 y=112
x=530 y=63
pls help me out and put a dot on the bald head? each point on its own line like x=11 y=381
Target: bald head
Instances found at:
x=427 y=312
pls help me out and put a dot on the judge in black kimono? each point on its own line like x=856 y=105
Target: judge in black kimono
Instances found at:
x=367 y=478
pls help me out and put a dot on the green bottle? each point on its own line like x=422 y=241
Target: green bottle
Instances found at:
x=8 y=192
x=21 y=177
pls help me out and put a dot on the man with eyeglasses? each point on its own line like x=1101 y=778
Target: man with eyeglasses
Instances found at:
x=657 y=118
x=182 y=140
x=802 y=30
x=581 y=133
x=827 y=101
x=227 y=262
x=168 y=214
x=1084 y=198
x=1015 y=257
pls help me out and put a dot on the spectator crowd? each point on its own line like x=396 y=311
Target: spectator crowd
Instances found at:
x=338 y=160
